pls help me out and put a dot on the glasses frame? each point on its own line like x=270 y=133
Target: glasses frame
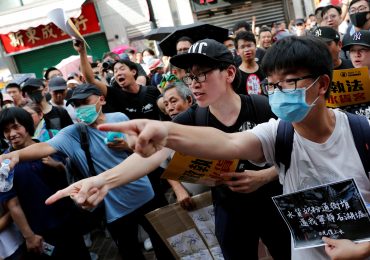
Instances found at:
x=267 y=85
x=359 y=9
x=197 y=78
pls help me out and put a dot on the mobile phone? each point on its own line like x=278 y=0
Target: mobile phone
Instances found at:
x=47 y=248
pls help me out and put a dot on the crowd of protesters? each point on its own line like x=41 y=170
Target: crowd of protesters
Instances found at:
x=239 y=89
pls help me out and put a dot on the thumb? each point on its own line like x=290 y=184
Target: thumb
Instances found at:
x=329 y=241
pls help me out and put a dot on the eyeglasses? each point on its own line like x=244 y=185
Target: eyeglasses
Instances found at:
x=361 y=51
x=201 y=77
x=360 y=9
x=285 y=86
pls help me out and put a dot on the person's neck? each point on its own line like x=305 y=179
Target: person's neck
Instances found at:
x=227 y=108
x=134 y=88
x=27 y=143
x=45 y=106
x=249 y=66
x=99 y=120
x=319 y=124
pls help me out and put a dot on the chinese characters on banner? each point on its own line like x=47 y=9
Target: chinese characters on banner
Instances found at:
x=194 y=170
x=28 y=39
x=349 y=87
x=335 y=210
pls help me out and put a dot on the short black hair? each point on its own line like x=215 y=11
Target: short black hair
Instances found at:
x=294 y=53
x=185 y=39
x=246 y=36
x=1 y=100
x=265 y=28
x=328 y=7
x=16 y=114
x=130 y=64
x=13 y=85
x=355 y=1
x=151 y=52
x=47 y=72
x=242 y=24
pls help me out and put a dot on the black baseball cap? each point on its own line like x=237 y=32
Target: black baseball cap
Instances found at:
x=57 y=83
x=204 y=52
x=326 y=34
x=299 y=21
x=83 y=91
x=32 y=83
x=358 y=38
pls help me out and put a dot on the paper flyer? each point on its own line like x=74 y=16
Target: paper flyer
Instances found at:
x=60 y=19
x=335 y=210
x=190 y=169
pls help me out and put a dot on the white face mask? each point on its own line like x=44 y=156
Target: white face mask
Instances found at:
x=146 y=59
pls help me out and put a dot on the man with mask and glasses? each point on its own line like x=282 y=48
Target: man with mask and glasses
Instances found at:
x=359 y=14
x=299 y=71
x=55 y=117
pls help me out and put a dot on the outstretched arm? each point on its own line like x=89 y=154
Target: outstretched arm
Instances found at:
x=148 y=136
x=89 y=192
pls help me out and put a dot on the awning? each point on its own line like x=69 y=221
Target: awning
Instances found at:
x=35 y=15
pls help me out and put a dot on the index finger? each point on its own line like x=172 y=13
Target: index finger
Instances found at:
x=129 y=127
x=60 y=194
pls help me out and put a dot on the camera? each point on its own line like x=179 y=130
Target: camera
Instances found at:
x=107 y=65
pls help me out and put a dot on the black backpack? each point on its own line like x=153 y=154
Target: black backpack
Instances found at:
x=360 y=130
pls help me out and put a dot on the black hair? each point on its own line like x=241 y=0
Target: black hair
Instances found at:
x=185 y=39
x=13 y=85
x=294 y=53
x=1 y=100
x=311 y=15
x=94 y=64
x=223 y=66
x=264 y=28
x=151 y=52
x=246 y=36
x=130 y=64
x=47 y=72
x=242 y=24
x=16 y=114
x=355 y=1
x=328 y=7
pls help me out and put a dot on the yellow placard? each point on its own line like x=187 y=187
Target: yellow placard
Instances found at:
x=190 y=169
x=349 y=87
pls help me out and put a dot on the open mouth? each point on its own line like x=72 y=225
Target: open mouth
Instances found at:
x=120 y=79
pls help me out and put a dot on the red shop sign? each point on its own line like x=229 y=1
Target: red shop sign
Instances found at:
x=28 y=39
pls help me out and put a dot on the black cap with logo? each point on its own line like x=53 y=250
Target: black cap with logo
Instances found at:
x=358 y=38
x=83 y=91
x=204 y=52
x=326 y=34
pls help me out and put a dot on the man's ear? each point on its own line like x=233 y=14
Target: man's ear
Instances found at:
x=231 y=72
x=324 y=84
x=189 y=99
x=102 y=100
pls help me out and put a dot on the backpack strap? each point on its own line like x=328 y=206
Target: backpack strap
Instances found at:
x=82 y=129
x=361 y=134
x=284 y=144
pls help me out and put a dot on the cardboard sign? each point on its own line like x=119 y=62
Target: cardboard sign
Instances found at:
x=334 y=210
x=194 y=170
x=188 y=234
x=349 y=87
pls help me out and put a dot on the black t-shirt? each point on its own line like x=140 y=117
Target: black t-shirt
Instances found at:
x=250 y=115
x=140 y=105
x=57 y=118
x=260 y=53
x=250 y=83
x=346 y=64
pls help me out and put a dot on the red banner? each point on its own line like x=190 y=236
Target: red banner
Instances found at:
x=28 y=39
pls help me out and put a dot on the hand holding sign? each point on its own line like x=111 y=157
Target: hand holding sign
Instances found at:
x=60 y=19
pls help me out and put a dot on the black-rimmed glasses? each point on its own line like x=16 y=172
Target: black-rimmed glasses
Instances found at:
x=284 y=86
x=201 y=77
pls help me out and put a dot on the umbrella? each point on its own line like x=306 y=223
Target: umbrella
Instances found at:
x=70 y=64
x=196 y=31
x=159 y=34
x=122 y=48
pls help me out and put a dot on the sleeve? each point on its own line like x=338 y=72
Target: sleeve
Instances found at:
x=187 y=117
x=266 y=133
x=65 y=140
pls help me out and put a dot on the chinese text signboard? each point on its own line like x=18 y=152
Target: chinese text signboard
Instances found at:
x=194 y=170
x=349 y=87
x=334 y=210
x=14 y=42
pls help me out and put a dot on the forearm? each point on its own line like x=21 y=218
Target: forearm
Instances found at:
x=35 y=152
x=269 y=174
x=211 y=143
x=5 y=220
x=133 y=168
x=19 y=218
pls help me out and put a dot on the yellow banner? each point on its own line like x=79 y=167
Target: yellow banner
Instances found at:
x=194 y=170
x=349 y=87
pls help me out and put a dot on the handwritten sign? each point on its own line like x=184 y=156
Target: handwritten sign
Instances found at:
x=334 y=210
x=195 y=170
x=349 y=87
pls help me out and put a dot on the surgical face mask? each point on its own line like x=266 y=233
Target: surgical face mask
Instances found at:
x=36 y=96
x=87 y=114
x=358 y=19
x=291 y=106
x=146 y=59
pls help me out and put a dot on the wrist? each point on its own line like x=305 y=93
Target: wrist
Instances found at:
x=28 y=236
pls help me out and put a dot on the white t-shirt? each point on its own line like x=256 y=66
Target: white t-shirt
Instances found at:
x=315 y=164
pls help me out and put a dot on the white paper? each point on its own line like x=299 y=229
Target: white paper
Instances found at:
x=204 y=219
x=187 y=243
